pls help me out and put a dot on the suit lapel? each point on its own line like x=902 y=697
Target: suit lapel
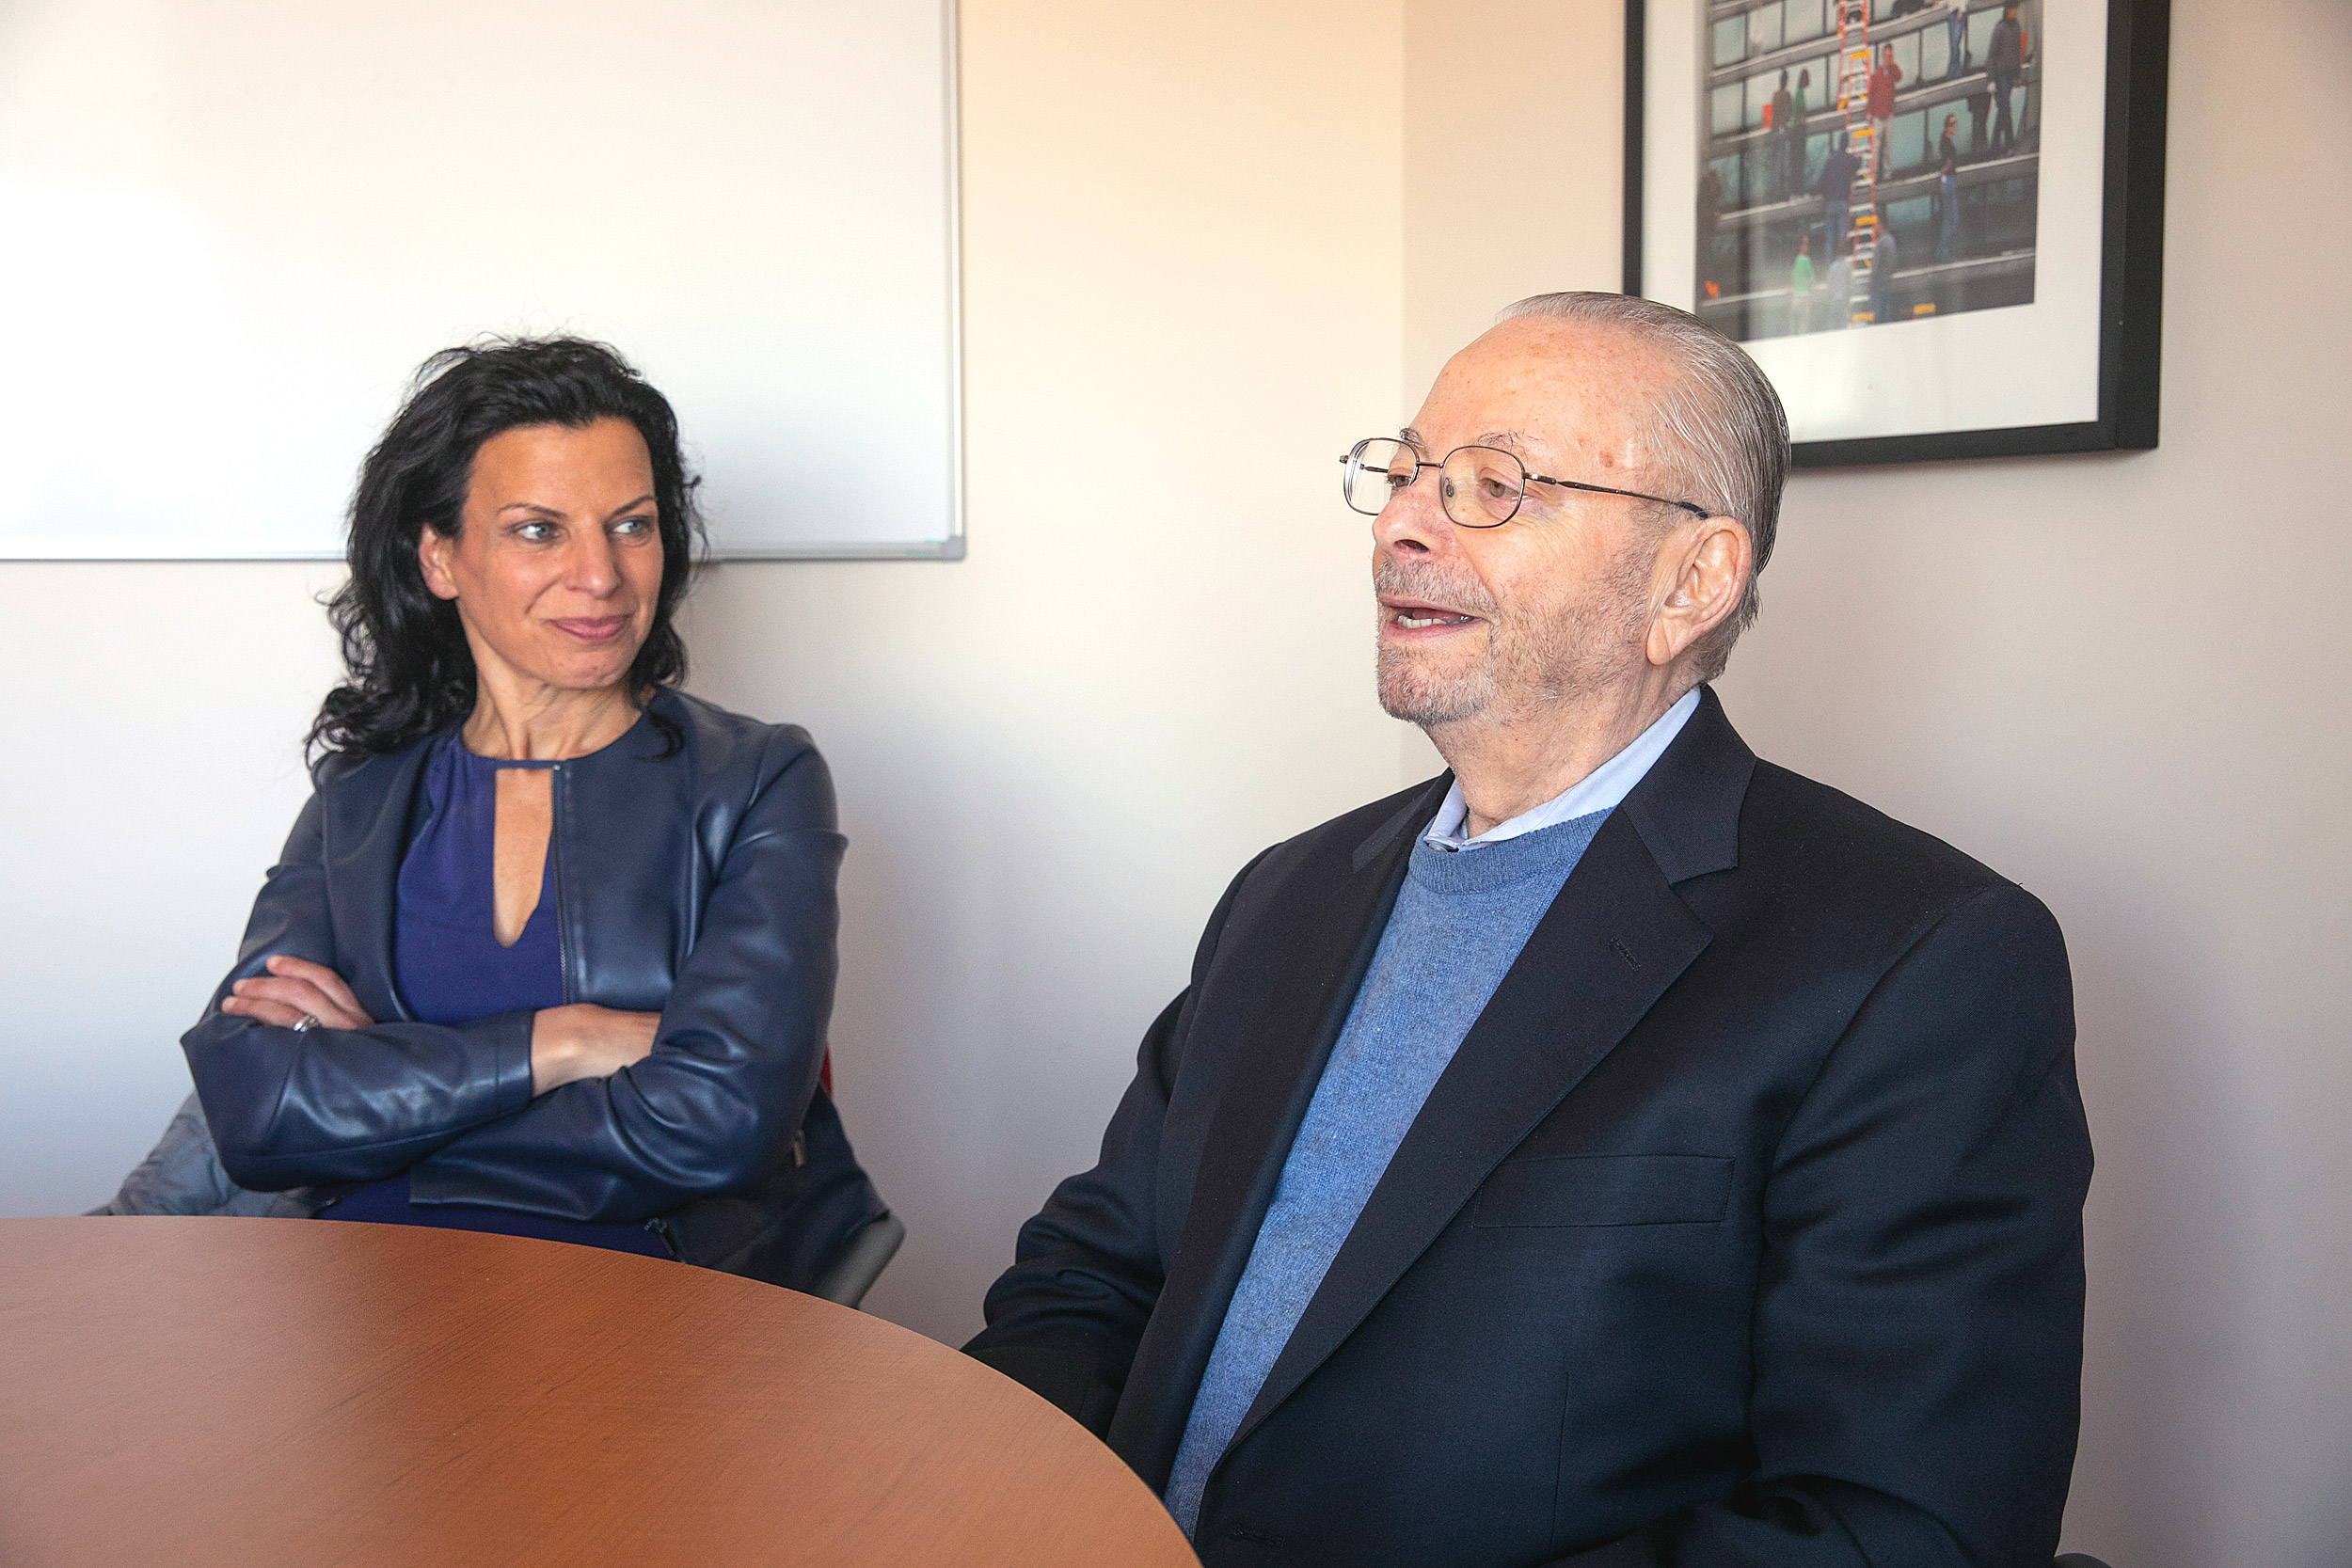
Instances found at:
x=366 y=835
x=1257 y=1113
x=1612 y=943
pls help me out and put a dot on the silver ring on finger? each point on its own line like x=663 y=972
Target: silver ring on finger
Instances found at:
x=306 y=1023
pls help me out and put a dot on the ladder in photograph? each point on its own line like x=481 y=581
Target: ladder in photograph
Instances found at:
x=1853 y=102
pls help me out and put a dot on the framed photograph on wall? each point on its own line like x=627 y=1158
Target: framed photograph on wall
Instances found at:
x=1938 y=224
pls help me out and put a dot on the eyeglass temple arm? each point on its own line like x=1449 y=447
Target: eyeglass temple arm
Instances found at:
x=1575 y=484
x=1605 y=490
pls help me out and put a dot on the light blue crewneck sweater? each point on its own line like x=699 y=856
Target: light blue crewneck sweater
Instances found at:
x=1459 y=922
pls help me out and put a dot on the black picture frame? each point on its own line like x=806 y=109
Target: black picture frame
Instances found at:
x=2131 y=299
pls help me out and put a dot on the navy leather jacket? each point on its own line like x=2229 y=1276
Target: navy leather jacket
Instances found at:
x=699 y=885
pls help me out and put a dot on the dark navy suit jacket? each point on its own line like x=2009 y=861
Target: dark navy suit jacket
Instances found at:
x=1744 y=1228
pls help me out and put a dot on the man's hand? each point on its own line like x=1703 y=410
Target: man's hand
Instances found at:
x=583 y=1040
x=292 y=990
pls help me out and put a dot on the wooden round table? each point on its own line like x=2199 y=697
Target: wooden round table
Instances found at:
x=257 y=1392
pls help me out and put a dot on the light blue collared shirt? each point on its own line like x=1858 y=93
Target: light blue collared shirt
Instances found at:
x=1598 y=790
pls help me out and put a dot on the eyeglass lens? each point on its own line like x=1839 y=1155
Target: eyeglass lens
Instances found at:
x=1478 y=486
x=1378 y=469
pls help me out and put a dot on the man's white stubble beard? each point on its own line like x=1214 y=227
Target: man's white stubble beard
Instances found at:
x=1409 y=693
x=1408 y=689
x=1523 y=667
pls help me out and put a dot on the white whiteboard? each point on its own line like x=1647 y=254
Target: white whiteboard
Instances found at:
x=230 y=230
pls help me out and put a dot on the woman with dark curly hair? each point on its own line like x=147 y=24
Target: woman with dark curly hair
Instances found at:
x=550 y=951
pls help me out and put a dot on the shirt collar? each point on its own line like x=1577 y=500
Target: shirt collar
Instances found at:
x=1599 y=790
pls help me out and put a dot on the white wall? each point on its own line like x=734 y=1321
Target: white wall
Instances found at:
x=153 y=717
x=2120 y=680
x=1211 y=239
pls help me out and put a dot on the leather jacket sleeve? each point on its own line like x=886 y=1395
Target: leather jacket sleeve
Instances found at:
x=715 y=1106
x=337 y=1106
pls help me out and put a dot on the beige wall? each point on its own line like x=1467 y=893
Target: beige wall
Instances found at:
x=1514 y=138
x=1180 y=304
x=2120 y=680
x=1210 y=244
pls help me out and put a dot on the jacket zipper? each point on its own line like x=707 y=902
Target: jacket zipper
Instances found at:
x=557 y=785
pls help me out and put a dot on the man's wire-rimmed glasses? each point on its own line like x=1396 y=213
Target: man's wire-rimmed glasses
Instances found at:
x=1478 y=486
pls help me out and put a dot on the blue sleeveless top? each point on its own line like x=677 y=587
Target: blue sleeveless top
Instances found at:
x=450 y=968
x=446 y=957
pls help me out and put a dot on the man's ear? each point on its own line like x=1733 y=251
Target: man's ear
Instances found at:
x=434 y=549
x=1705 y=564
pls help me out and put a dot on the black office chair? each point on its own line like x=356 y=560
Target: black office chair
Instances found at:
x=863 y=1257
x=2077 y=1560
x=869 y=1248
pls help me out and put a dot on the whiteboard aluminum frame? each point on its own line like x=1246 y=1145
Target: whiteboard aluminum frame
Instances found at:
x=951 y=548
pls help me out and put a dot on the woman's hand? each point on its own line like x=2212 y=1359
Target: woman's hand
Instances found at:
x=295 y=989
x=583 y=1040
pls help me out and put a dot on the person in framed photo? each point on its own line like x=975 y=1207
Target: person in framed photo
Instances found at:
x=2004 y=59
x=1778 y=117
x=1885 y=255
x=1947 y=189
x=1883 y=81
x=1836 y=187
x=1797 y=113
x=1840 y=287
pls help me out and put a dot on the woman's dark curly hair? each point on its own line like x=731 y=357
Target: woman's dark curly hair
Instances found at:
x=411 y=671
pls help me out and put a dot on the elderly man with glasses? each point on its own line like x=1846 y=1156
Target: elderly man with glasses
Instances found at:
x=1617 y=1150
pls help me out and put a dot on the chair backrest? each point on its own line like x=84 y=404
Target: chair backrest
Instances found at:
x=867 y=1252
x=861 y=1261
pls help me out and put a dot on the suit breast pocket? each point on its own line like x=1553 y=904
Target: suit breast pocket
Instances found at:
x=1606 y=1188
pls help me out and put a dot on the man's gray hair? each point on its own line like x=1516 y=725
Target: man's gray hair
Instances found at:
x=1718 y=432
